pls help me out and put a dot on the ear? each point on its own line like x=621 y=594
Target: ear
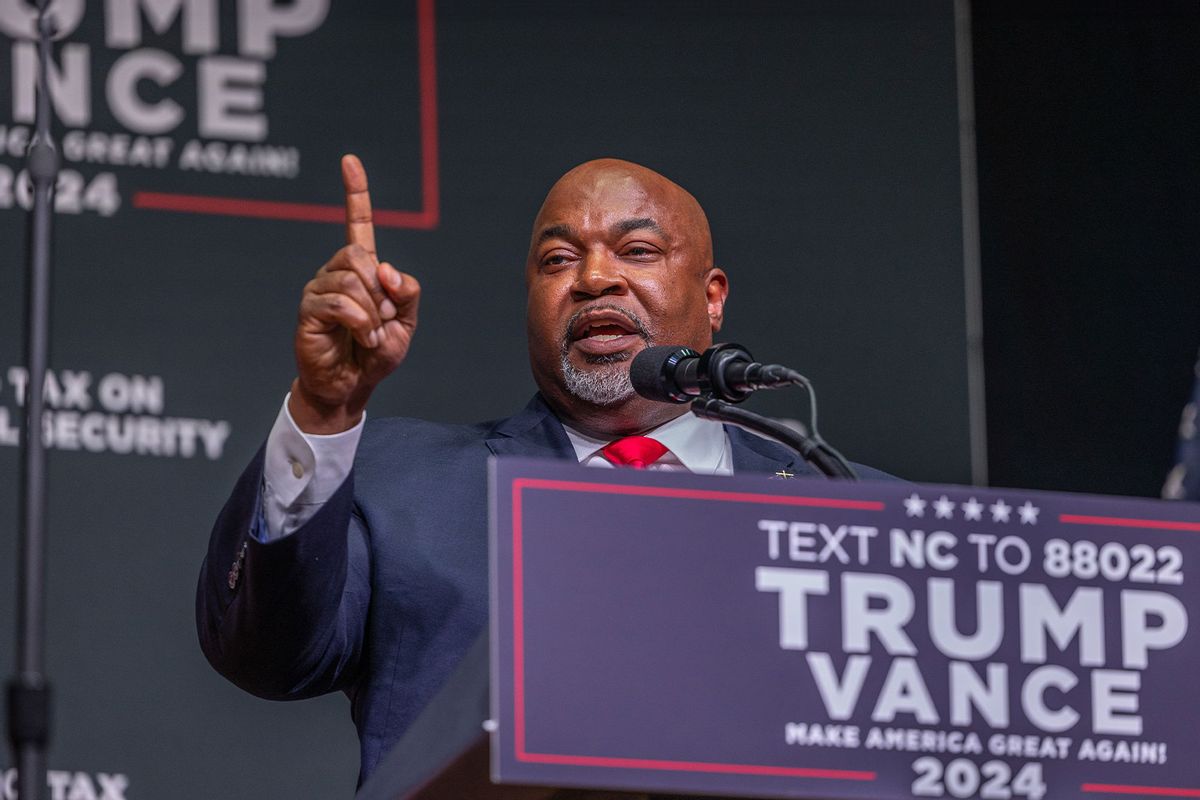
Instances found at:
x=716 y=288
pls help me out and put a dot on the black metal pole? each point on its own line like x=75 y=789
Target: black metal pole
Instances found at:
x=811 y=450
x=29 y=692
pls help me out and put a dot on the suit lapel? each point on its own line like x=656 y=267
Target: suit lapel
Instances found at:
x=755 y=454
x=534 y=431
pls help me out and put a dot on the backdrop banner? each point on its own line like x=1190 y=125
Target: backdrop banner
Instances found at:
x=200 y=191
x=819 y=639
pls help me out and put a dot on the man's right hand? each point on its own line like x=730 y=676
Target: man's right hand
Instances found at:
x=357 y=318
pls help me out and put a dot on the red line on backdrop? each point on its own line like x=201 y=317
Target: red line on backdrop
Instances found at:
x=270 y=209
x=1154 y=791
x=518 y=486
x=1123 y=522
x=425 y=219
x=427 y=67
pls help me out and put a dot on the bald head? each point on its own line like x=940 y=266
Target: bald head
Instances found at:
x=603 y=181
x=620 y=259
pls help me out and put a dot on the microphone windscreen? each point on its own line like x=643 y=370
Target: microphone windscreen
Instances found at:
x=652 y=372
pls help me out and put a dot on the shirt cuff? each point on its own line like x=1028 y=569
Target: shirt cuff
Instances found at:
x=301 y=471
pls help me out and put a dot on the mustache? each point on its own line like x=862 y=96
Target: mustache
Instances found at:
x=635 y=322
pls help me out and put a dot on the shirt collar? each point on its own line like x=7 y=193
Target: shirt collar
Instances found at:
x=698 y=444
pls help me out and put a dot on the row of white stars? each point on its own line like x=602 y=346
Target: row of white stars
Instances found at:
x=972 y=510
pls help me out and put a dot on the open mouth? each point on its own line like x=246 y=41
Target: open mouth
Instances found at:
x=604 y=332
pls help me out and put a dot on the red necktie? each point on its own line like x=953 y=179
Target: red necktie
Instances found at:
x=634 y=451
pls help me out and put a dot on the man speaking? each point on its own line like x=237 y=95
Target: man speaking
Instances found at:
x=353 y=557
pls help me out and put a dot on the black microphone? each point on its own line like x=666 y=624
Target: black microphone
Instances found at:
x=675 y=374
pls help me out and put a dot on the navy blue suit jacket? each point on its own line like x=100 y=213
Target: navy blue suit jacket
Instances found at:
x=381 y=593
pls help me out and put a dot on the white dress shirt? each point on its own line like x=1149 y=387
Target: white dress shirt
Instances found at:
x=302 y=470
x=693 y=445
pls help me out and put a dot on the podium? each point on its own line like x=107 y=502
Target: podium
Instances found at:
x=445 y=754
x=666 y=635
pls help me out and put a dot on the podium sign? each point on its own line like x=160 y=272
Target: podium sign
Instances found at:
x=806 y=638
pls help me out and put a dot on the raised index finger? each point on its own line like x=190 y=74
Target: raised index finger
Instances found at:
x=359 y=228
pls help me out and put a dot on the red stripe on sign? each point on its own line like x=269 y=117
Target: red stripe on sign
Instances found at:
x=1155 y=791
x=1123 y=522
x=425 y=219
x=702 y=766
x=518 y=626
x=698 y=494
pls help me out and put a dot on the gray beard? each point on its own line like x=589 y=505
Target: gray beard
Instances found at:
x=605 y=383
